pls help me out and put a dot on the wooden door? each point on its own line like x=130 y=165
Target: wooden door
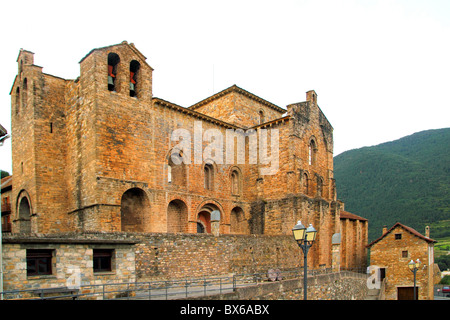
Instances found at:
x=407 y=293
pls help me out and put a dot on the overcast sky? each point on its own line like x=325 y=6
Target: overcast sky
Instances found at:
x=381 y=69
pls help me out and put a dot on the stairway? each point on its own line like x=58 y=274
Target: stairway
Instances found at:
x=373 y=294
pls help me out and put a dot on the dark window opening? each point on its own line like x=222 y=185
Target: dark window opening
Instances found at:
x=261 y=117
x=134 y=69
x=113 y=62
x=25 y=93
x=398 y=236
x=17 y=100
x=102 y=260
x=39 y=262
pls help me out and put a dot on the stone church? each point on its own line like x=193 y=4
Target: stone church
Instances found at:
x=101 y=154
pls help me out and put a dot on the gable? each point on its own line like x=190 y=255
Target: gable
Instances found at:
x=239 y=107
x=406 y=228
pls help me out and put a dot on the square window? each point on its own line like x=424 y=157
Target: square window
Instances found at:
x=398 y=236
x=102 y=259
x=404 y=254
x=39 y=262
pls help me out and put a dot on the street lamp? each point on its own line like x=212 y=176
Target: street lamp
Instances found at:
x=414 y=266
x=305 y=238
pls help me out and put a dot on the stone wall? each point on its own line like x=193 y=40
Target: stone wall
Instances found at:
x=335 y=286
x=71 y=262
x=394 y=251
x=196 y=255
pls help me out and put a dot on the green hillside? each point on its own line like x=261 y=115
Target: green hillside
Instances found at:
x=406 y=180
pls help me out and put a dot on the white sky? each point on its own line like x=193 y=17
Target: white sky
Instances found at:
x=381 y=69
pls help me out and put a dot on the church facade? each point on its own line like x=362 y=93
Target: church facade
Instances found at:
x=101 y=154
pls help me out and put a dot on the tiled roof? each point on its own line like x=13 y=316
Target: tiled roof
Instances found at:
x=409 y=229
x=6 y=182
x=351 y=216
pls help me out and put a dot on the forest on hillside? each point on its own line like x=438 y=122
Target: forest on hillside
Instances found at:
x=406 y=181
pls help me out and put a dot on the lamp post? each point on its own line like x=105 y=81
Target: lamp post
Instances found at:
x=305 y=238
x=414 y=266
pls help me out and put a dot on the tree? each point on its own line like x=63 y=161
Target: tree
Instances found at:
x=4 y=174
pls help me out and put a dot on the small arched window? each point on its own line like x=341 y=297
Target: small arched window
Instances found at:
x=209 y=176
x=319 y=186
x=134 y=70
x=17 y=100
x=235 y=182
x=176 y=172
x=113 y=62
x=312 y=152
x=261 y=117
x=25 y=93
x=305 y=183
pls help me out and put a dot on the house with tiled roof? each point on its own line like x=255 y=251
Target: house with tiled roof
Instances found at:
x=389 y=258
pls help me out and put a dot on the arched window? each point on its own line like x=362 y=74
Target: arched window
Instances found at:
x=261 y=117
x=17 y=100
x=312 y=152
x=238 y=223
x=176 y=172
x=209 y=176
x=204 y=222
x=134 y=208
x=235 y=182
x=305 y=183
x=113 y=62
x=24 y=210
x=25 y=93
x=319 y=186
x=134 y=69
x=177 y=216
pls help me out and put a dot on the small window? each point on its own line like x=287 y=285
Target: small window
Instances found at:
x=305 y=183
x=312 y=152
x=261 y=117
x=209 y=176
x=39 y=262
x=134 y=69
x=113 y=62
x=405 y=254
x=25 y=93
x=235 y=183
x=102 y=260
x=17 y=100
x=398 y=236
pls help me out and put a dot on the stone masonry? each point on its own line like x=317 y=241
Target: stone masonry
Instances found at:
x=95 y=154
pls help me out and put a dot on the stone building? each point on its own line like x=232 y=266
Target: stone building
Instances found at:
x=101 y=154
x=390 y=255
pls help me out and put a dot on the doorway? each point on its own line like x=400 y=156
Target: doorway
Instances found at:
x=407 y=293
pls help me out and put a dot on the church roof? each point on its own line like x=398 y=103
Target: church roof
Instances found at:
x=235 y=88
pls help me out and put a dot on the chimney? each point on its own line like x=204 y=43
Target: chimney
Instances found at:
x=427 y=231
x=384 y=229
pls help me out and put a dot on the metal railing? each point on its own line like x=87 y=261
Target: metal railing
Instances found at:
x=161 y=289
